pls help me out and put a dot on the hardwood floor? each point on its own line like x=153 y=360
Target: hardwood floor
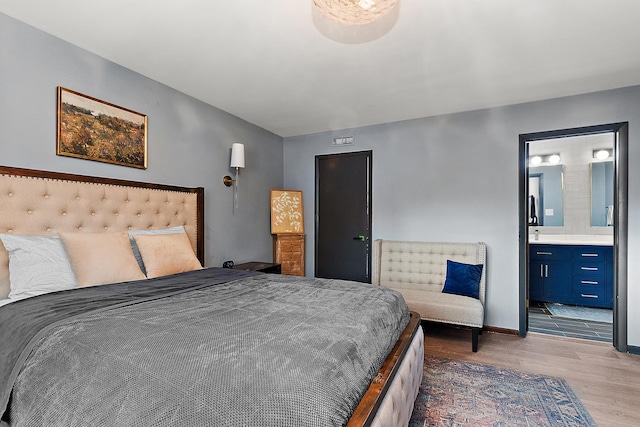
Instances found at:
x=606 y=381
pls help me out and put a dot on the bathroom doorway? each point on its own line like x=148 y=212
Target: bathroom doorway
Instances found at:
x=574 y=211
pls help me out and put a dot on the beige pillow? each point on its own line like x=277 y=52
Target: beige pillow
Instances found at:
x=164 y=254
x=99 y=258
x=4 y=273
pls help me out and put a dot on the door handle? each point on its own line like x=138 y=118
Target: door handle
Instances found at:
x=361 y=238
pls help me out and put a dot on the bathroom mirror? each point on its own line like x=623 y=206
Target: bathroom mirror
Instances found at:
x=546 y=200
x=602 y=194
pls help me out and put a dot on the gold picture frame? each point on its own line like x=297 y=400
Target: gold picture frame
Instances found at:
x=91 y=129
x=286 y=212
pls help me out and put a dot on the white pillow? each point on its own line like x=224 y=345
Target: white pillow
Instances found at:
x=37 y=265
x=134 y=246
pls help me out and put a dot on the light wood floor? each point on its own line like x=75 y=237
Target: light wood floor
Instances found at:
x=606 y=381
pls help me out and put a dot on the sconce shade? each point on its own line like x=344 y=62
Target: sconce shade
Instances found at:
x=237 y=155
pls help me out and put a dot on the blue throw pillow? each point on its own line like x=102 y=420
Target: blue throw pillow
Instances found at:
x=463 y=279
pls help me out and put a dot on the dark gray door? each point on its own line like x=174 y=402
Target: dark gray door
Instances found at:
x=343 y=216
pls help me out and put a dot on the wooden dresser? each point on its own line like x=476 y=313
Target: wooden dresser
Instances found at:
x=288 y=250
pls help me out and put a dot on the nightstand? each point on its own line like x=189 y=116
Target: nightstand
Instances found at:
x=265 y=267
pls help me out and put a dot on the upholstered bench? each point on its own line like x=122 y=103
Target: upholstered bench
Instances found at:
x=444 y=282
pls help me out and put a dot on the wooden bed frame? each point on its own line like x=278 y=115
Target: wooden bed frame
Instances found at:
x=38 y=202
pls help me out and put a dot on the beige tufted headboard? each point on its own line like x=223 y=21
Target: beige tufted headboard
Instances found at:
x=36 y=202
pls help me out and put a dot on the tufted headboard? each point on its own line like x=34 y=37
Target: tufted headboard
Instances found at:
x=34 y=202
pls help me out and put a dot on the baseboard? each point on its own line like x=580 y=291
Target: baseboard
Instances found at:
x=633 y=349
x=500 y=330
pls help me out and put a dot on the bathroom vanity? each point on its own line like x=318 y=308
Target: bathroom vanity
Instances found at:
x=568 y=271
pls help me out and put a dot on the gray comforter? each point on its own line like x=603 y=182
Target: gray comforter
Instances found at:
x=212 y=347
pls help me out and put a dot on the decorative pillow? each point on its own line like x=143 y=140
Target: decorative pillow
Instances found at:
x=4 y=272
x=134 y=246
x=463 y=279
x=100 y=258
x=165 y=254
x=37 y=265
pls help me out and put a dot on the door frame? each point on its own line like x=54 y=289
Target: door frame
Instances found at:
x=316 y=214
x=620 y=230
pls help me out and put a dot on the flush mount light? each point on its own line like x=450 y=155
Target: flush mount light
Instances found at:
x=354 y=12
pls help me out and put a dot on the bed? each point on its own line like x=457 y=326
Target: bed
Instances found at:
x=184 y=345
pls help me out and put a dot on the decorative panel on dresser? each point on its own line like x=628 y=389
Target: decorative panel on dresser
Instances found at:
x=571 y=274
x=288 y=250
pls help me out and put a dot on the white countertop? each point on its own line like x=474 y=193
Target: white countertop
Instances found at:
x=571 y=239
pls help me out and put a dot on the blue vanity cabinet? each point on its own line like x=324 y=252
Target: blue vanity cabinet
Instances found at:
x=589 y=276
x=571 y=274
x=608 y=277
x=550 y=273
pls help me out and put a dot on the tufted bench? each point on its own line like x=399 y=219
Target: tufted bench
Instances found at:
x=418 y=271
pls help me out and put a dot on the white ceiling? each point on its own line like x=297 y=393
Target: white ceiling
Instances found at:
x=279 y=65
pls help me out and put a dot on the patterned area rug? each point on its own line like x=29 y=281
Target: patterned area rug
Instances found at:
x=455 y=393
x=580 y=313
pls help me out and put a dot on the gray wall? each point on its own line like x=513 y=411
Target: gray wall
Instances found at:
x=455 y=178
x=189 y=142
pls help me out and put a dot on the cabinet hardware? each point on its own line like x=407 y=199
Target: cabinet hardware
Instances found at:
x=589 y=268
x=546 y=270
x=591 y=255
x=544 y=253
x=541 y=271
x=588 y=282
x=588 y=296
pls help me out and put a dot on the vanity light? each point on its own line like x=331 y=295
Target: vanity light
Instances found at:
x=554 y=159
x=237 y=162
x=601 y=154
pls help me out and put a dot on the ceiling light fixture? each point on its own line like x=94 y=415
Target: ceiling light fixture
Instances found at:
x=354 y=12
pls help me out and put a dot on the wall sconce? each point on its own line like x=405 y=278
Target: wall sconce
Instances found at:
x=602 y=154
x=237 y=162
x=552 y=159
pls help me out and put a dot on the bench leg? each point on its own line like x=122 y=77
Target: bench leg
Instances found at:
x=474 y=339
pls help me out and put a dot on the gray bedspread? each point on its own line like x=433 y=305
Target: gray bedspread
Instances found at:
x=219 y=348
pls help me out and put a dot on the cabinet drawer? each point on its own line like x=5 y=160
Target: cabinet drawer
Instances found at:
x=589 y=253
x=589 y=269
x=587 y=283
x=589 y=297
x=550 y=252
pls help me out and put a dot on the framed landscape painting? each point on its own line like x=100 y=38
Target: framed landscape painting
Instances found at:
x=91 y=129
x=286 y=212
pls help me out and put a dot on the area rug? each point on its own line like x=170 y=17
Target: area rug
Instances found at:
x=580 y=313
x=456 y=393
